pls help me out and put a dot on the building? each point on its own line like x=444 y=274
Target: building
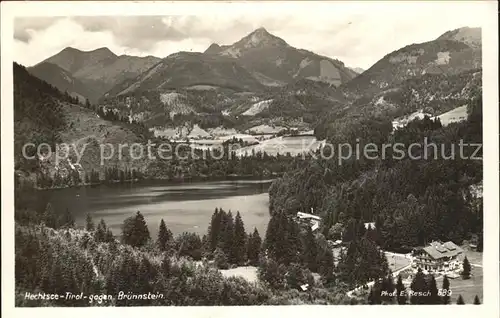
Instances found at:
x=438 y=257
x=310 y=219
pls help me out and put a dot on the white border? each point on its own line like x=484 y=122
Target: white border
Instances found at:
x=490 y=308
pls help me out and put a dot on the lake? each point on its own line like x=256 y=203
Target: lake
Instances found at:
x=184 y=206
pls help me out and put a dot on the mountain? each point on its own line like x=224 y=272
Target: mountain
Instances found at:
x=99 y=69
x=43 y=114
x=441 y=56
x=275 y=63
x=358 y=70
x=469 y=36
x=188 y=69
x=62 y=79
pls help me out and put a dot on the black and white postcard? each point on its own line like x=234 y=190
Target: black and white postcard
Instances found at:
x=213 y=159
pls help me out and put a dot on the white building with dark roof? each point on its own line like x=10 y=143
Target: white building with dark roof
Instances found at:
x=438 y=257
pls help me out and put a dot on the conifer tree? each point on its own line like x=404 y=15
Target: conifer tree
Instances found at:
x=253 y=247
x=239 y=241
x=109 y=236
x=434 y=298
x=227 y=233
x=214 y=230
x=89 y=223
x=446 y=288
x=67 y=219
x=388 y=289
x=418 y=285
x=101 y=231
x=310 y=250
x=135 y=231
x=220 y=259
x=292 y=243
x=164 y=236
x=401 y=296
x=466 y=269
x=460 y=300
x=49 y=216
x=477 y=301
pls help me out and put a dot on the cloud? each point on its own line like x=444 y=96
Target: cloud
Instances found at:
x=24 y=27
x=357 y=35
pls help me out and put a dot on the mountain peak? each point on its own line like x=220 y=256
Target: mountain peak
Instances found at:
x=260 y=38
x=214 y=48
x=467 y=35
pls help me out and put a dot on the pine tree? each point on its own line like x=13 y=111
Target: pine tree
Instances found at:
x=49 y=216
x=418 y=285
x=227 y=233
x=135 y=231
x=401 y=292
x=477 y=301
x=89 y=223
x=164 y=236
x=220 y=259
x=388 y=289
x=310 y=250
x=460 y=300
x=253 y=247
x=109 y=236
x=446 y=288
x=214 y=230
x=239 y=241
x=466 y=269
x=100 y=233
x=434 y=298
x=67 y=219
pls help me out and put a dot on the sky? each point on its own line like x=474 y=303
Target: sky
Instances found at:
x=358 y=35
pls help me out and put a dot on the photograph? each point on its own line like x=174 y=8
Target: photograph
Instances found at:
x=327 y=154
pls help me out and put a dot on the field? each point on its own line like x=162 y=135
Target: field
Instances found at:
x=247 y=272
x=396 y=261
x=454 y=115
x=283 y=145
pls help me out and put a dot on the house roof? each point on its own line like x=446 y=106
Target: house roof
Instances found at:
x=303 y=215
x=438 y=250
x=368 y=224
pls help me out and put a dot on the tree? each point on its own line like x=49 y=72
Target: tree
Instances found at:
x=477 y=301
x=49 y=216
x=239 y=241
x=460 y=300
x=466 y=269
x=446 y=289
x=164 y=236
x=253 y=247
x=100 y=233
x=418 y=285
x=109 y=236
x=220 y=259
x=135 y=231
x=434 y=298
x=401 y=296
x=67 y=220
x=310 y=250
x=388 y=289
x=89 y=223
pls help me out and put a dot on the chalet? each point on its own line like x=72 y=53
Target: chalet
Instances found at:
x=438 y=257
x=310 y=219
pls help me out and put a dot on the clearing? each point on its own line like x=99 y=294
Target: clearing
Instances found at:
x=247 y=272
